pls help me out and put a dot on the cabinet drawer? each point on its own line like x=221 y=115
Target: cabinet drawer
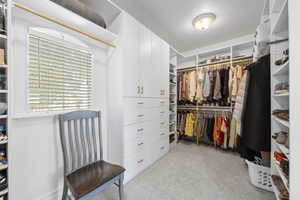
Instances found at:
x=134 y=139
x=164 y=145
x=131 y=111
x=135 y=163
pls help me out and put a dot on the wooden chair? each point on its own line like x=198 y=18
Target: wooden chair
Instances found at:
x=85 y=171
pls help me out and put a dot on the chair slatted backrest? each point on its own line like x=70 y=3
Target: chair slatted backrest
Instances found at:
x=80 y=133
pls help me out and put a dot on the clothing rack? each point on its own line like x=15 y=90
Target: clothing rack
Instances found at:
x=229 y=62
x=206 y=108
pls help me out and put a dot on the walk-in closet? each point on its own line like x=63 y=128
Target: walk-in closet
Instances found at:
x=149 y=100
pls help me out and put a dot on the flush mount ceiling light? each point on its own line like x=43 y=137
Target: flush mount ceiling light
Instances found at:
x=203 y=21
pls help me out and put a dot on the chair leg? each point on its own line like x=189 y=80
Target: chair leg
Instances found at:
x=121 y=187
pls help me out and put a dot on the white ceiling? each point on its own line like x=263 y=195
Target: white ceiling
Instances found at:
x=172 y=19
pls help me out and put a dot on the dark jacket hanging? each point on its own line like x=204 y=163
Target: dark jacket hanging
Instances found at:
x=256 y=132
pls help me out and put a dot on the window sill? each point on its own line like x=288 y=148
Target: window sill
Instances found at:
x=28 y=115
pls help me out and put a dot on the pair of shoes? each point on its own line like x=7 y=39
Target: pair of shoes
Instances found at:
x=281 y=114
x=279 y=157
x=281 y=88
x=284 y=58
x=283 y=192
x=284 y=165
x=3 y=182
x=3 y=138
x=281 y=138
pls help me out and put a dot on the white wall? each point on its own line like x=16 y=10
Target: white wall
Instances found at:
x=35 y=158
x=294 y=29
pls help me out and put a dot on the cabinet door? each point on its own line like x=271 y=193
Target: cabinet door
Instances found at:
x=131 y=69
x=164 y=69
x=148 y=70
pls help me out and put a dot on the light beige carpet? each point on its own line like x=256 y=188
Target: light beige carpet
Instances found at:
x=192 y=172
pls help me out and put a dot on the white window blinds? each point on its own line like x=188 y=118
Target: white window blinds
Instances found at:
x=60 y=78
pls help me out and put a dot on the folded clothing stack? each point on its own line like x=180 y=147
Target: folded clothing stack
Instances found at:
x=281 y=114
x=281 y=88
x=283 y=193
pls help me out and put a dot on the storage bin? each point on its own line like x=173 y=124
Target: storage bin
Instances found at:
x=260 y=176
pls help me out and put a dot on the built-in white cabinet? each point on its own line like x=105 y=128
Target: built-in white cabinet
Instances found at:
x=138 y=98
x=145 y=59
x=131 y=58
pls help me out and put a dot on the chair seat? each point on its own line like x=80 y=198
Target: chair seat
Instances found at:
x=88 y=178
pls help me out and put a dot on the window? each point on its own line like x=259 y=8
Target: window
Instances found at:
x=60 y=77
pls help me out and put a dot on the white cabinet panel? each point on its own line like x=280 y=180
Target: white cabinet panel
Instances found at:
x=148 y=73
x=164 y=69
x=131 y=58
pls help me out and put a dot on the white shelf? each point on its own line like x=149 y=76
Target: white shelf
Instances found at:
x=283 y=70
x=2 y=167
x=3 y=116
x=3 y=192
x=282 y=122
x=172 y=74
x=282 y=95
x=281 y=21
x=3 y=66
x=281 y=174
x=3 y=91
x=173 y=84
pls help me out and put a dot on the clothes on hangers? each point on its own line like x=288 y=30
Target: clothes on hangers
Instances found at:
x=209 y=128
x=203 y=87
x=256 y=129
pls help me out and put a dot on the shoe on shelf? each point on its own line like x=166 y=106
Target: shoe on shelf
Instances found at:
x=284 y=58
x=284 y=165
x=3 y=182
x=281 y=114
x=281 y=88
x=280 y=137
x=283 y=192
x=279 y=157
x=3 y=138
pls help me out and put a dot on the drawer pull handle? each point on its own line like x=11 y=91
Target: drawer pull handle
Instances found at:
x=140 y=143
x=162 y=148
x=140 y=115
x=140 y=161
x=140 y=103
x=141 y=129
x=162 y=123
x=162 y=112
x=162 y=134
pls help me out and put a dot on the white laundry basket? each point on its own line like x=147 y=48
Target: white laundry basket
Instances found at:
x=260 y=176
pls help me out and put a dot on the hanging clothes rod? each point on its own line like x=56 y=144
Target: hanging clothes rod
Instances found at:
x=278 y=41
x=64 y=25
x=206 y=108
x=234 y=61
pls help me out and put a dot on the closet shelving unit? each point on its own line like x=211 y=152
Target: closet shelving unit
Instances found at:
x=279 y=74
x=4 y=95
x=173 y=97
x=234 y=53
